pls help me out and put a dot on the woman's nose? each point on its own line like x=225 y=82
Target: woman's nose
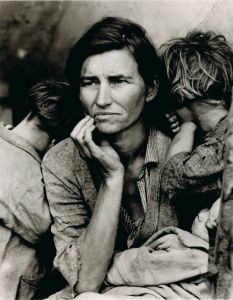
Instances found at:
x=103 y=97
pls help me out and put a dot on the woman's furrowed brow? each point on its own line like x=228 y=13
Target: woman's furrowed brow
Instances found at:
x=88 y=78
x=120 y=76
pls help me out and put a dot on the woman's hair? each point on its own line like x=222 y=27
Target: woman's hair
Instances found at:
x=114 y=33
x=199 y=66
x=52 y=103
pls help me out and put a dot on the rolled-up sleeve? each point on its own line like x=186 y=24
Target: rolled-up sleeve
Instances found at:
x=196 y=171
x=70 y=215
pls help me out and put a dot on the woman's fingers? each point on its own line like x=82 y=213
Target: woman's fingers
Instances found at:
x=83 y=131
x=107 y=157
x=105 y=154
x=77 y=128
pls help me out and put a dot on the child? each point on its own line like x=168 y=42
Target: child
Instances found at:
x=200 y=71
x=26 y=247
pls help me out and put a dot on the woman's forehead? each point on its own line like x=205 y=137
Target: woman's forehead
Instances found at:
x=110 y=63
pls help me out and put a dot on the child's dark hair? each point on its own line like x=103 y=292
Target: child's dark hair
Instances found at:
x=52 y=102
x=199 y=66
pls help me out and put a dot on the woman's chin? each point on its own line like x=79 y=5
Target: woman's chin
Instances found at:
x=107 y=128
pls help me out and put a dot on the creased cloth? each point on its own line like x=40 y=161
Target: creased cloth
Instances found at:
x=145 y=265
x=146 y=273
x=172 y=291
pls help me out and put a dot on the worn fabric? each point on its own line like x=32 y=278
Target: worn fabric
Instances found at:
x=192 y=181
x=24 y=218
x=72 y=185
x=150 y=273
x=150 y=266
x=182 y=290
x=172 y=291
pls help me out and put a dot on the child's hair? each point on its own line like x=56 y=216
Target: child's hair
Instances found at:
x=52 y=102
x=199 y=66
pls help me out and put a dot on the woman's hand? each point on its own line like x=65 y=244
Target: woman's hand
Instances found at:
x=107 y=157
x=167 y=242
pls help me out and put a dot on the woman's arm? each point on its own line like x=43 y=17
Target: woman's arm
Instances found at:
x=84 y=243
x=98 y=240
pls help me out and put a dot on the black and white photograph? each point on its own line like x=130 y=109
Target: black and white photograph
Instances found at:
x=116 y=149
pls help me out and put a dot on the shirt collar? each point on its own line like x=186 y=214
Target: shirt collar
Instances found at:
x=151 y=149
x=19 y=142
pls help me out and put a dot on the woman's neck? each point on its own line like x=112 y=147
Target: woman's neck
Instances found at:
x=128 y=142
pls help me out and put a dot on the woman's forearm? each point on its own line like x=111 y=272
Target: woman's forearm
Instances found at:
x=97 y=242
x=183 y=141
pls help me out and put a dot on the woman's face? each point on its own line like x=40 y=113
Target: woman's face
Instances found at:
x=112 y=91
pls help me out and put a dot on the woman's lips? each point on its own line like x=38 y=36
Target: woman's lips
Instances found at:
x=104 y=115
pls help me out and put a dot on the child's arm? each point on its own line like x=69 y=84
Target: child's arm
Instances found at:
x=183 y=140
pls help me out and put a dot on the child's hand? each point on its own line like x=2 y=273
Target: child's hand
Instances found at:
x=199 y=225
x=173 y=122
x=212 y=220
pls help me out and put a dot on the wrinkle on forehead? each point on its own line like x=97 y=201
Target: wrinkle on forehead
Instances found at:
x=111 y=63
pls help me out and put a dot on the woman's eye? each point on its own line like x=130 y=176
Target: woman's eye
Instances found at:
x=88 y=83
x=119 y=81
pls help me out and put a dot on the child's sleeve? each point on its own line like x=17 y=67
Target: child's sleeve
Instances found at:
x=196 y=171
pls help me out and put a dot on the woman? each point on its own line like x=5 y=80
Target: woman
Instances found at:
x=103 y=186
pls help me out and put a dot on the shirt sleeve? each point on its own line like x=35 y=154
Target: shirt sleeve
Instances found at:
x=197 y=171
x=70 y=215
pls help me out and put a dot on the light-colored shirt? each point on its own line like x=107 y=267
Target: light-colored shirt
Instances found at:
x=24 y=217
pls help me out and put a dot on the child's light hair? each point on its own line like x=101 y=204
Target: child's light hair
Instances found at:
x=199 y=66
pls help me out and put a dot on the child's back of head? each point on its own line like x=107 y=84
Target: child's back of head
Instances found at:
x=52 y=102
x=199 y=67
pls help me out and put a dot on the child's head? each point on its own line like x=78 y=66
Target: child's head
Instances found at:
x=51 y=102
x=199 y=67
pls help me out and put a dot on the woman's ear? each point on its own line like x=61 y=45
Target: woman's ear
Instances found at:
x=152 y=91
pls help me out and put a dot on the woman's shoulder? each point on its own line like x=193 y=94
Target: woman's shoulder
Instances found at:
x=63 y=153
